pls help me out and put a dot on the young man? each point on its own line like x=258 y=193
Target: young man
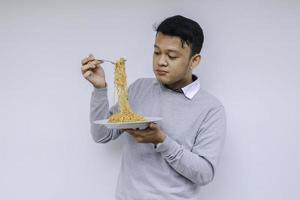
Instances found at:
x=174 y=158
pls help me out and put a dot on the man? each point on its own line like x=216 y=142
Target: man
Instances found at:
x=175 y=157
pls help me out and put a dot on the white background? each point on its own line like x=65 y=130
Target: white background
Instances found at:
x=250 y=62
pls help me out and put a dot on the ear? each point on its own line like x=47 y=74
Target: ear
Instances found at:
x=195 y=60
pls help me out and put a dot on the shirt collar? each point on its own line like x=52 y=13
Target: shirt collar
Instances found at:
x=191 y=89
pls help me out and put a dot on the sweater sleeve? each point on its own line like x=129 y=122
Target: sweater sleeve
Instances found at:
x=99 y=109
x=199 y=163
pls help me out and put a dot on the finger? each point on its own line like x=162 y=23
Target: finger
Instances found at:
x=153 y=126
x=87 y=67
x=87 y=74
x=96 y=62
x=136 y=135
x=130 y=132
x=139 y=139
x=87 y=59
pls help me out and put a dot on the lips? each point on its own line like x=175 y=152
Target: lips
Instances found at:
x=161 y=72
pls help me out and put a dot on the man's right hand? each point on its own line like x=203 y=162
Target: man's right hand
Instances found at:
x=93 y=72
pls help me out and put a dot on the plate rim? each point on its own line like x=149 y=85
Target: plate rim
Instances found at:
x=104 y=121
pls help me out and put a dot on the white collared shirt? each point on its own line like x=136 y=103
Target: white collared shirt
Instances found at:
x=191 y=89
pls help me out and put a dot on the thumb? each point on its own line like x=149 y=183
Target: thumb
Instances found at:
x=153 y=125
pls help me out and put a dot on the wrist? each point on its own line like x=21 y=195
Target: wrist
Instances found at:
x=162 y=138
x=100 y=86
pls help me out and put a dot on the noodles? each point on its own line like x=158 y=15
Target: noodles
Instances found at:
x=125 y=112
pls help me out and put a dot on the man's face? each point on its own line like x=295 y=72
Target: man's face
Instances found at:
x=171 y=61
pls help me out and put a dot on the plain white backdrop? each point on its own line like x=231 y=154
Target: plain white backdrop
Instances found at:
x=250 y=62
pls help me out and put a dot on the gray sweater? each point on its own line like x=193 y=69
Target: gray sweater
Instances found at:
x=185 y=161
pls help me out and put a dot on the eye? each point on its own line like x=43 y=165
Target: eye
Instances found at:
x=156 y=53
x=172 y=57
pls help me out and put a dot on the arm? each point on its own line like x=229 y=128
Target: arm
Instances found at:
x=99 y=109
x=198 y=164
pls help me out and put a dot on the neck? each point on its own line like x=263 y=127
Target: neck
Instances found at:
x=181 y=83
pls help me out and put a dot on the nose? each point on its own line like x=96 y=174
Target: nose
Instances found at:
x=162 y=61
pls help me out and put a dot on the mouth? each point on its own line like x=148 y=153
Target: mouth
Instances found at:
x=161 y=72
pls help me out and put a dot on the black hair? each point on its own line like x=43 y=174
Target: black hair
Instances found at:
x=189 y=31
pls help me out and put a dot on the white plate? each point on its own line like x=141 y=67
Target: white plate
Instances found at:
x=126 y=125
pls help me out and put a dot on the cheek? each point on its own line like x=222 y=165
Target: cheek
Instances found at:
x=153 y=65
x=176 y=68
x=153 y=61
x=178 y=71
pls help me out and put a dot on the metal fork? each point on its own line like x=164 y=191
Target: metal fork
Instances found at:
x=103 y=60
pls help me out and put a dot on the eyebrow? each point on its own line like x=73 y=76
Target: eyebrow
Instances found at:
x=169 y=50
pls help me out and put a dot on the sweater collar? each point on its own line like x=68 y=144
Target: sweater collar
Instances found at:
x=191 y=89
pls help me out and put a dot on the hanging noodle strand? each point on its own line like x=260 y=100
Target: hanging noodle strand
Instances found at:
x=125 y=113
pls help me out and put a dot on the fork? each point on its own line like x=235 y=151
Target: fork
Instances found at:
x=103 y=60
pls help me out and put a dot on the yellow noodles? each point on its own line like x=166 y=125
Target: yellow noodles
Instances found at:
x=125 y=112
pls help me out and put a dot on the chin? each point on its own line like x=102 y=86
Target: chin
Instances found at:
x=164 y=80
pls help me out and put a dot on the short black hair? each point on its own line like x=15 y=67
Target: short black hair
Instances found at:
x=189 y=31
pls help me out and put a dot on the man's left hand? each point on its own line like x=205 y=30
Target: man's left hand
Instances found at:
x=152 y=134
